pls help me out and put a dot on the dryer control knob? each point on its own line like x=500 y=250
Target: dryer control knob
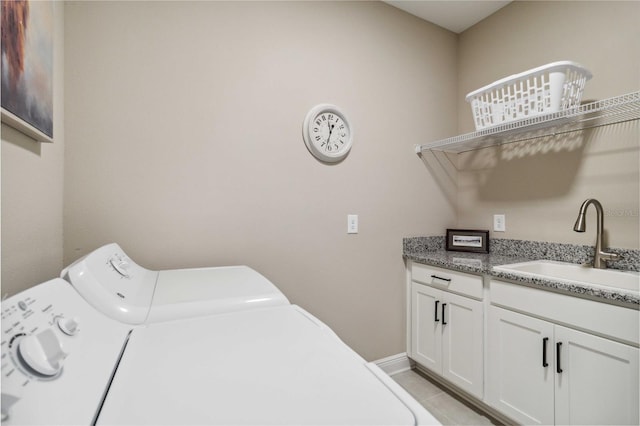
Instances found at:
x=121 y=266
x=69 y=326
x=43 y=352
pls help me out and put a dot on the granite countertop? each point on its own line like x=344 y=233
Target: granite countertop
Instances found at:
x=430 y=251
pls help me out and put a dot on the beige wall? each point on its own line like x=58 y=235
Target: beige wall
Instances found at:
x=541 y=192
x=184 y=145
x=32 y=188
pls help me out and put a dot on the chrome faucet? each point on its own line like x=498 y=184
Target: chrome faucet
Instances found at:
x=601 y=257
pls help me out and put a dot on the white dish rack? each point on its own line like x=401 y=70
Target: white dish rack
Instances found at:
x=547 y=89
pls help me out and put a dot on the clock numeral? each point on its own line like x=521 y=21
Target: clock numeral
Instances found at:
x=318 y=138
x=341 y=127
x=315 y=129
x=330 y=117
x=324 y=118
x=318 y=122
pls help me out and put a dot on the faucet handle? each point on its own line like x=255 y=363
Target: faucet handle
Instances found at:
x=609 y=256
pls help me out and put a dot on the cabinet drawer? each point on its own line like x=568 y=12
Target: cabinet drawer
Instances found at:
x=453 y=281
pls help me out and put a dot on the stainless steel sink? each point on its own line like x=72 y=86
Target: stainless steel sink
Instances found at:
x=612 y=278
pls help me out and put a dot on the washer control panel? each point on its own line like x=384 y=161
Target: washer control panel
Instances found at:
x=33 y=331
x=50 y=360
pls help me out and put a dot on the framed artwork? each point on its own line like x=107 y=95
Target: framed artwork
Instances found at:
x=27 y=67
x=468 y=240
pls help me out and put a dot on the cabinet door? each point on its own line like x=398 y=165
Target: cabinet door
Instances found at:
x=426 y=332
x=462 y=348
x=519 y=384
x=599 y=380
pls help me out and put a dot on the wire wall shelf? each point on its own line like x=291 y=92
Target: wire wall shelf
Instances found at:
x=614 y=110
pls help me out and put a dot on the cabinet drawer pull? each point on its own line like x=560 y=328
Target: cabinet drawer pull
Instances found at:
x=558 y=369
x=436 y=312
x=443 y=321
x=544 y=352
x=440 y=278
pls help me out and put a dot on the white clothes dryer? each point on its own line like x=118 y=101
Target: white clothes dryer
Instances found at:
x=120 y=288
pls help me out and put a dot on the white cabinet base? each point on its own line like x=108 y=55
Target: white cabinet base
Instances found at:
x=541 y=372
x=599 y=380
x=447 y=329
x=426 y=335
x=550 y=358
x=518 y=384
x=462 y=343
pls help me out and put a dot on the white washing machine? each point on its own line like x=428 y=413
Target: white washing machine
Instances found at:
x=58 y=356
x=258 y=361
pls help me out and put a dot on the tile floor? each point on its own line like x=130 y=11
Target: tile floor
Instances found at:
x=447 y=408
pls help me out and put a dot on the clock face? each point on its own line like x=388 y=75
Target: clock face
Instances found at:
x=327 y=133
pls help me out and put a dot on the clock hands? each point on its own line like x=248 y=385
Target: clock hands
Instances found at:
x=331 y=126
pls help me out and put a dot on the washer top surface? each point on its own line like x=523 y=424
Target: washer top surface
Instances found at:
x=276 y=365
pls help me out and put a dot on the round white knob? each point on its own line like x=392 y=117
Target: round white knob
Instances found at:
x=121 y=266
x=43 y=352
x=68 y=326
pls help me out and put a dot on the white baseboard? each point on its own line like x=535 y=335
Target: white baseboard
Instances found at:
x=395 y=364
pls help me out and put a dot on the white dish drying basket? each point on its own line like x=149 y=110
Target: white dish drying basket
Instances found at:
x=550 y=88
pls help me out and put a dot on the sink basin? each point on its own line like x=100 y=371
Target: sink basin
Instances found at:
x=615 y=279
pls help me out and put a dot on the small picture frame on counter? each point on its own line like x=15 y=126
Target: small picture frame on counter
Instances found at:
x=470 y=240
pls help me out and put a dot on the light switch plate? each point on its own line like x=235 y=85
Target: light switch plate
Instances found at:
x=499 y=223
x=352 y=224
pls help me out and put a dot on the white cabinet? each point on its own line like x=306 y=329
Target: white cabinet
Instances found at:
x=447 y=328
x=540 y=372
x=549 y=358
x=519 y=382
x=599 y=380
x=426 y=329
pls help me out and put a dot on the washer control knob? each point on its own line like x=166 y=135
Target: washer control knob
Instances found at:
x=43 y=352
x=121 y=266
x=22 y=305
x=69 y=326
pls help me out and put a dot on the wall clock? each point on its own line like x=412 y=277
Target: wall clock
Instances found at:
x=327 y=133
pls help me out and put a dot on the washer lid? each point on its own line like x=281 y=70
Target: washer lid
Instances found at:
x=272 y=366
x=185 y=293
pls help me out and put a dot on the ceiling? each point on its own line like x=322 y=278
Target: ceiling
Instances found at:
x=453 y=15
